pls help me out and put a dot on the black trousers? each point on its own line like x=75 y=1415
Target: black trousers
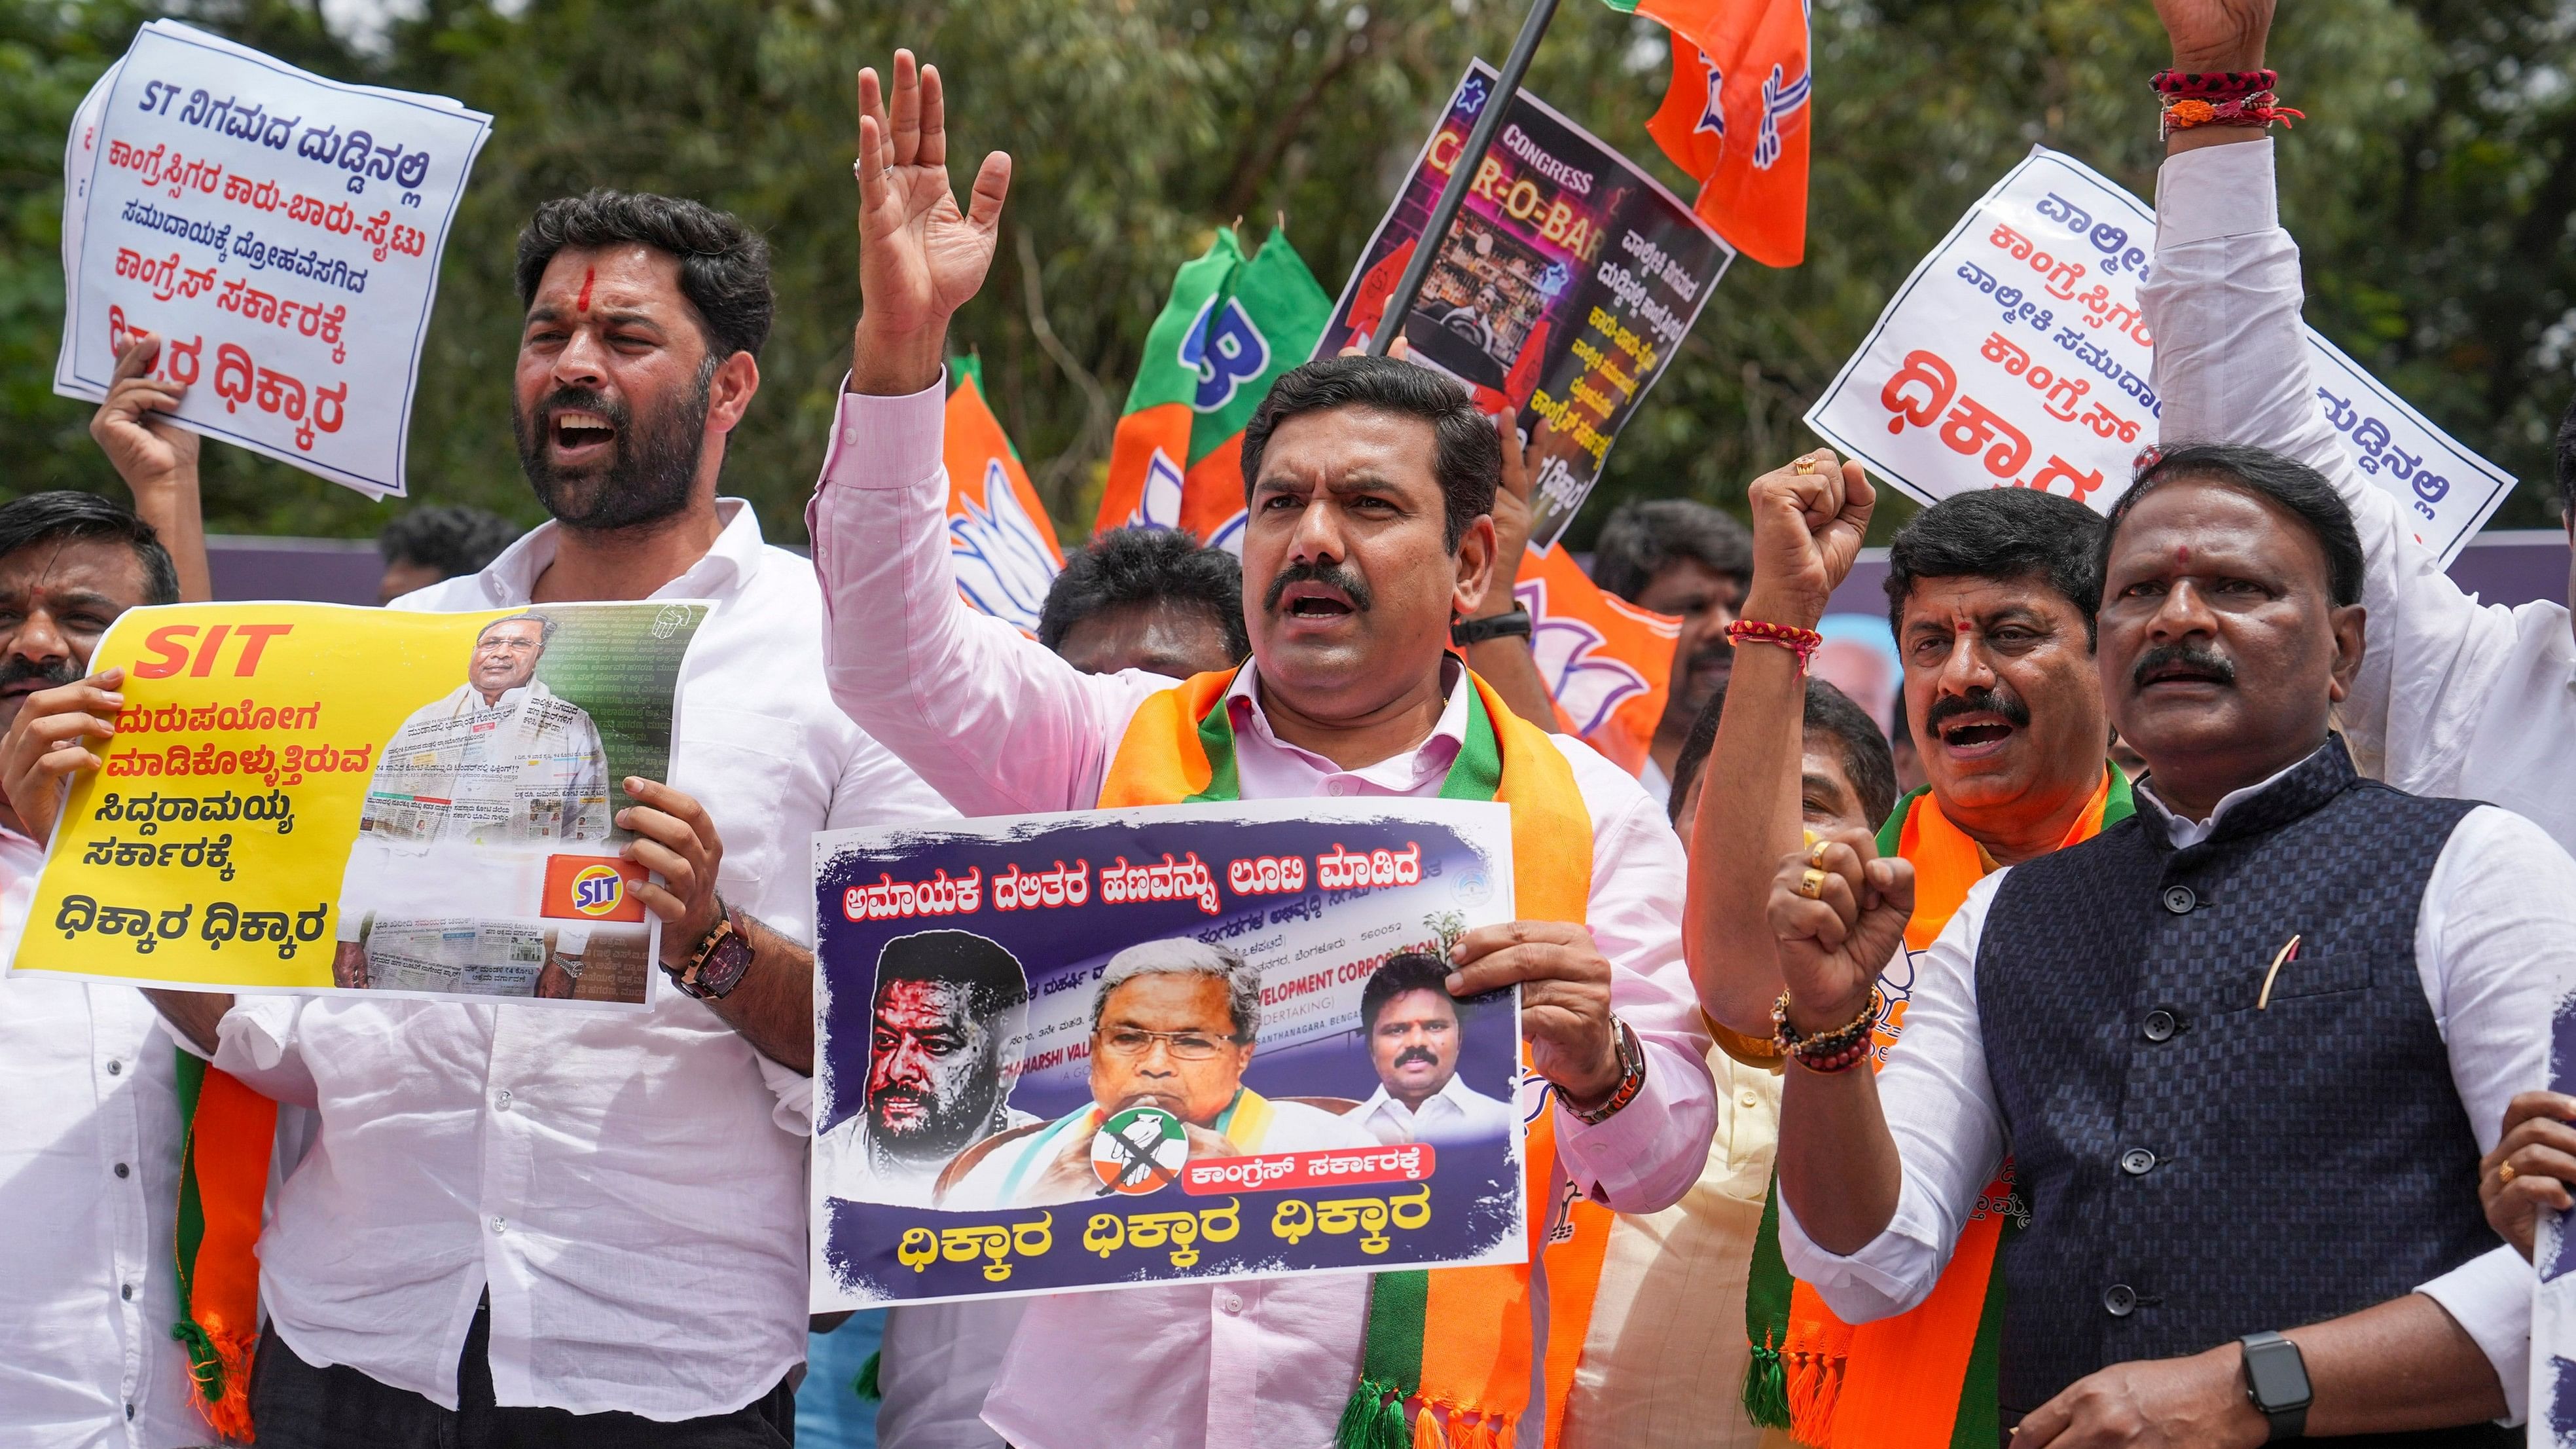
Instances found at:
x=297 y=1406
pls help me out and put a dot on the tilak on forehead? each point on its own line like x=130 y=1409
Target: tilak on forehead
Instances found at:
x=583 y=301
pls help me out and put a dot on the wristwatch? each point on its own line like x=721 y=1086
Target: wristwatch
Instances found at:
x=715 y=968
x=1632 y=1080
x=1512 y=623
x=2276 y=1379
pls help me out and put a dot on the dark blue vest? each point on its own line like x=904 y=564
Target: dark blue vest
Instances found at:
x=2197 y=1169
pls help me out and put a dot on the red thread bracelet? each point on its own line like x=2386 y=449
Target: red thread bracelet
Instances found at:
x=1802 y=642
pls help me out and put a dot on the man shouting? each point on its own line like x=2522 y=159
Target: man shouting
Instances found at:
x=1370 y=490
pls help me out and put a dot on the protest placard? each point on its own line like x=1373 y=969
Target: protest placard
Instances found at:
x=1157 y=1045
x=1561 y=292
x=281 y=232
x=320 y=799
x=2553 y=1258
x=2016 y=355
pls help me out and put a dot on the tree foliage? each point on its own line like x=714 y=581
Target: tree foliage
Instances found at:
x=2432 y=191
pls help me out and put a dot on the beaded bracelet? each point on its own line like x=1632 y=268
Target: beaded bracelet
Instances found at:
x=2214 y=84
x=1802 y=642
x=1827 y=1052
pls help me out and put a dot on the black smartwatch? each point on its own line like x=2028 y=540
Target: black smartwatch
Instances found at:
x=1512 y=623
x=2276 y=1379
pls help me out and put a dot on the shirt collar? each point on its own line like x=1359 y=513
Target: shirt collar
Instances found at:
x=1455 y=1090
x=1437 y=751
x=726 y=565
x=2328 y=764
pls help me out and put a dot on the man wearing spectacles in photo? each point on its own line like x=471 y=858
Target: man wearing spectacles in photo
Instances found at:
x=1173 y=1025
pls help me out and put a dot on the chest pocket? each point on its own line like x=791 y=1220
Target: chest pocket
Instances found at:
x=744 y=767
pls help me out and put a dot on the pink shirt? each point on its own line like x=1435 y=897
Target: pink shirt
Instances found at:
x=1000 y=725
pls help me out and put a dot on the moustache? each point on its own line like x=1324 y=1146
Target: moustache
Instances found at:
x=2189 y=655
x=580 y=399
x=18 y=669
x=1331 y=575
x=1977 y=701
x=1424 y=1055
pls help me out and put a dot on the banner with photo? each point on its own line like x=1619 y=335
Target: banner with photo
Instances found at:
x=2016 y=356
x=318 y=799
x=2553 y=1260
x=1562 y=291
x=1148 y=1046
x=278 y=230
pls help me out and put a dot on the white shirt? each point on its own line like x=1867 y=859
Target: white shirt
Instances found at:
x=2495 y=946
x=1002 y=726
x=2454 y=698
x=1454 y=1114
x=630 y=1187
x=89 y=1186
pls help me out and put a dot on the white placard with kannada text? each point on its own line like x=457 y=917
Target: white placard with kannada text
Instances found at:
x=2016 y=355
x=280 y=231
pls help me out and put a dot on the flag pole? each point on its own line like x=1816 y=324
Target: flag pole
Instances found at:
x=1462 y=173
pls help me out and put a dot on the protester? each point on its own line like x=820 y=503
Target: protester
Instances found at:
x=625 y=1193
x=1990 y=596
x=2454 y=697
x=1901 y=751
x=2197 y=1177
x=428 y=546
x=89 y=1148
x=1146 y=598
x=1684 y=558
x=1371 y=483
x=1664 y=1363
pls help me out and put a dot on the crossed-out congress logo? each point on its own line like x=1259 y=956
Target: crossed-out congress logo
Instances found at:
x=1139 y=1150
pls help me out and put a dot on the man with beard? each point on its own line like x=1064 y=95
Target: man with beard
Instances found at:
x=1370 y=529
x=1411 y=1023
x=1991 y=597
x=591 y=1229
x=1679 y=557
x=2245 y=1046
x=943 y=1051
x=90 y=1145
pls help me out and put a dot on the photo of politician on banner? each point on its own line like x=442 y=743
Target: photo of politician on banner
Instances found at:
x=1155 y=1045
x=312 y=798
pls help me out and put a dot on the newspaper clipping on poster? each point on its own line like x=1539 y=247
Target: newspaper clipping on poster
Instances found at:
x=318 y=799
x=1160 y=1045
x=2016 y=356
x=279 y=231
x=1562 y=291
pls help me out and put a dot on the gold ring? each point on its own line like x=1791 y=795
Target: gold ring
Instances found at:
x=1812 y=884
x=2504 y=1174
x=1803 y=465
x=1816 y=857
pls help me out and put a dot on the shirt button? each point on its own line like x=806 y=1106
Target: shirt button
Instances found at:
x=115 y=1068
x=498 y=1225
x=124 y=1171
x=1337 y=787
x=2119 y=1300
x=1749 y=1099
x=2137 y=1162
x=501 y=1099
x=2180 y=900
x=1231 y=1302
x=2159 y=1025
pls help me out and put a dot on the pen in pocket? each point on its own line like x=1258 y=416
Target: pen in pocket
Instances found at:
x=2289 y=952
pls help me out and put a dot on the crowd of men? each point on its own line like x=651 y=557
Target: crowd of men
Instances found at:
x=2036 y=1104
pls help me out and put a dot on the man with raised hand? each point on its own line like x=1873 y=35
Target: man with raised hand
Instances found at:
x=2453 y=697
x=1371 y=486
x=1990 y=594
x=2245 y=1046
x=519 y=1226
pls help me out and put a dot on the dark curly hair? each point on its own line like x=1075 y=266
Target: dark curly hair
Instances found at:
x=724 y=265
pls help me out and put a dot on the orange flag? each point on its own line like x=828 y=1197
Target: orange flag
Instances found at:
x=999 y=536
x=1737 y=117
x=1608 y=662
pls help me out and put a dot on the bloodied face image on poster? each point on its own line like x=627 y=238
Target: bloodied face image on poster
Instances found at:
x=1150 y=1045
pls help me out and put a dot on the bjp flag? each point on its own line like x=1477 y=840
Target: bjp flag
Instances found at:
x=1736 y=116
x=1608 y=663
x=999 y=537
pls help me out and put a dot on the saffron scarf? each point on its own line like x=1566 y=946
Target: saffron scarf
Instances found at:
x=1467 y=1386
x=1835 y=1385
x=223 y=1180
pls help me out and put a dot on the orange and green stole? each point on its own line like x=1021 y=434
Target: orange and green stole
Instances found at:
x=1475 y=1371
x=1835 y=1385
x=223 y=1179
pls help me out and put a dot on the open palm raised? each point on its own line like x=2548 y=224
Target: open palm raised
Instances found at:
x=920 y=257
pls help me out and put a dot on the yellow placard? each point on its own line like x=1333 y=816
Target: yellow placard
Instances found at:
x=310 y=797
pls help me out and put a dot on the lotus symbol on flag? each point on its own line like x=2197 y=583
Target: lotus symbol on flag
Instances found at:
x=1586 y=688
x=1160 y=507
x=1229 y=535
x=1003 y=566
